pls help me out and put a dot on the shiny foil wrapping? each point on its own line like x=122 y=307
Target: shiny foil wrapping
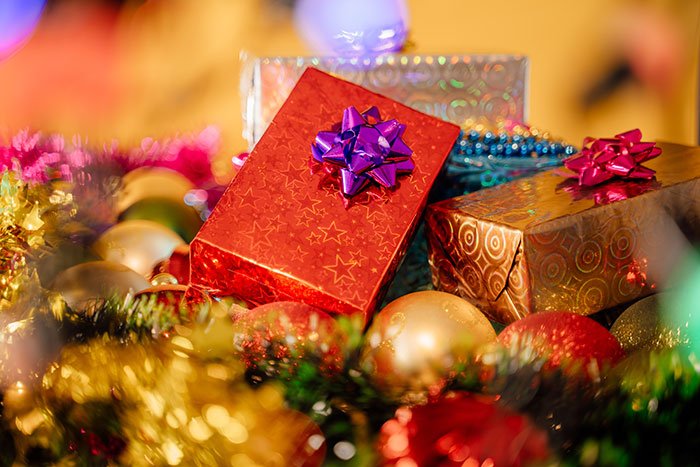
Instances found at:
x=454 y=88
x=281 y=233
x=544 y=243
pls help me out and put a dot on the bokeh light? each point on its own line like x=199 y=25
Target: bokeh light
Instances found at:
x=18 y=18
x=360 y=27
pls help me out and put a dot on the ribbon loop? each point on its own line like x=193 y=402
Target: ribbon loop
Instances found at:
x=366 y=149
x=604 y=158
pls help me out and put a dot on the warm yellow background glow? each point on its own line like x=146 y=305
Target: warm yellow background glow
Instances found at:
x=172 y=65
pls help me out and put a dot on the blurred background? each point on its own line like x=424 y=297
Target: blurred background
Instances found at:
x=127 y=70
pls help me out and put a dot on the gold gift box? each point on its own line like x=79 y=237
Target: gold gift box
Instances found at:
x=544 y=243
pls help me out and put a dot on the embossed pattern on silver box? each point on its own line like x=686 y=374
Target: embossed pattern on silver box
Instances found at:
x=452 y=87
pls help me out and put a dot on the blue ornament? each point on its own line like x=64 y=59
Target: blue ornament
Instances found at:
x=352 y=28
x=18 y=18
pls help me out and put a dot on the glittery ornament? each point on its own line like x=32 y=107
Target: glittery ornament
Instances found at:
x=284 y=332
x=639 y=327
x=137 y=244
x=679 y=305
x=565 y=339
x=415 y=340
x=159 y=404
x=82 y=284
x=461 y=430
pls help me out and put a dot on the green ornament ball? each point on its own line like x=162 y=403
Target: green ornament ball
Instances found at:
x=171 y=213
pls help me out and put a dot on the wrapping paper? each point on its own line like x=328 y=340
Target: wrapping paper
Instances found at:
x=452 y=87
x=281 y=232
x=545 y=243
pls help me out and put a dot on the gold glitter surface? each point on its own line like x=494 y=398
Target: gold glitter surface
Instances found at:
x=639 y=327
x=176 y=409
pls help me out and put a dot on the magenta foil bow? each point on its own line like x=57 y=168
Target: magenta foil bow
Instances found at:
x=364 y=151
x=604 y=158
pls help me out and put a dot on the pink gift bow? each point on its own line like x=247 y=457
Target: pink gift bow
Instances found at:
x=604 y=158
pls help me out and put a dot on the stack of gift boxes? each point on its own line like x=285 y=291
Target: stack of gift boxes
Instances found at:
x=328 y=202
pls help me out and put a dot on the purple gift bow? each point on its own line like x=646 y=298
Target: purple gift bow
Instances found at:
x=604 y=158
x=364 y=151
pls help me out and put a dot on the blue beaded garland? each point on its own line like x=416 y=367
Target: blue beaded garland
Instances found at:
x=473 y=143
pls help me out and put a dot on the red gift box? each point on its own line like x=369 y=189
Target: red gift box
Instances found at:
x=284 y=231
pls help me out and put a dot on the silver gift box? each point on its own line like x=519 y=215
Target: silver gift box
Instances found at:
x=452 y=87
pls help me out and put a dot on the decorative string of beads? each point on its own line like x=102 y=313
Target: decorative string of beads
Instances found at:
x=488 y=154
x=516 y=141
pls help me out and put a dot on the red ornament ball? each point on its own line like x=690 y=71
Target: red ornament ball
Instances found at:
x=565 y=339
x=283 y=333
x=178 y=265
x=461 y=429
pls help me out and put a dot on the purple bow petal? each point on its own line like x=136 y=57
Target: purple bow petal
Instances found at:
x=604 y=158
x=325 y=140
x=359 y=163
x=389 y=129
x=351 y=119
x=406 y=166
x=385 y=175
x=372 y=112
x=352 y=184
x=335 y=156
x=316 y=153
x=365 y=151
x=400 y=149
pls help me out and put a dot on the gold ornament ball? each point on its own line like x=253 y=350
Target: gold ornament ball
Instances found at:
x=639 y=327
x=137 y=244
x=163 y=278
x=150 y=182
x=81 y=284
x=414 y=342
